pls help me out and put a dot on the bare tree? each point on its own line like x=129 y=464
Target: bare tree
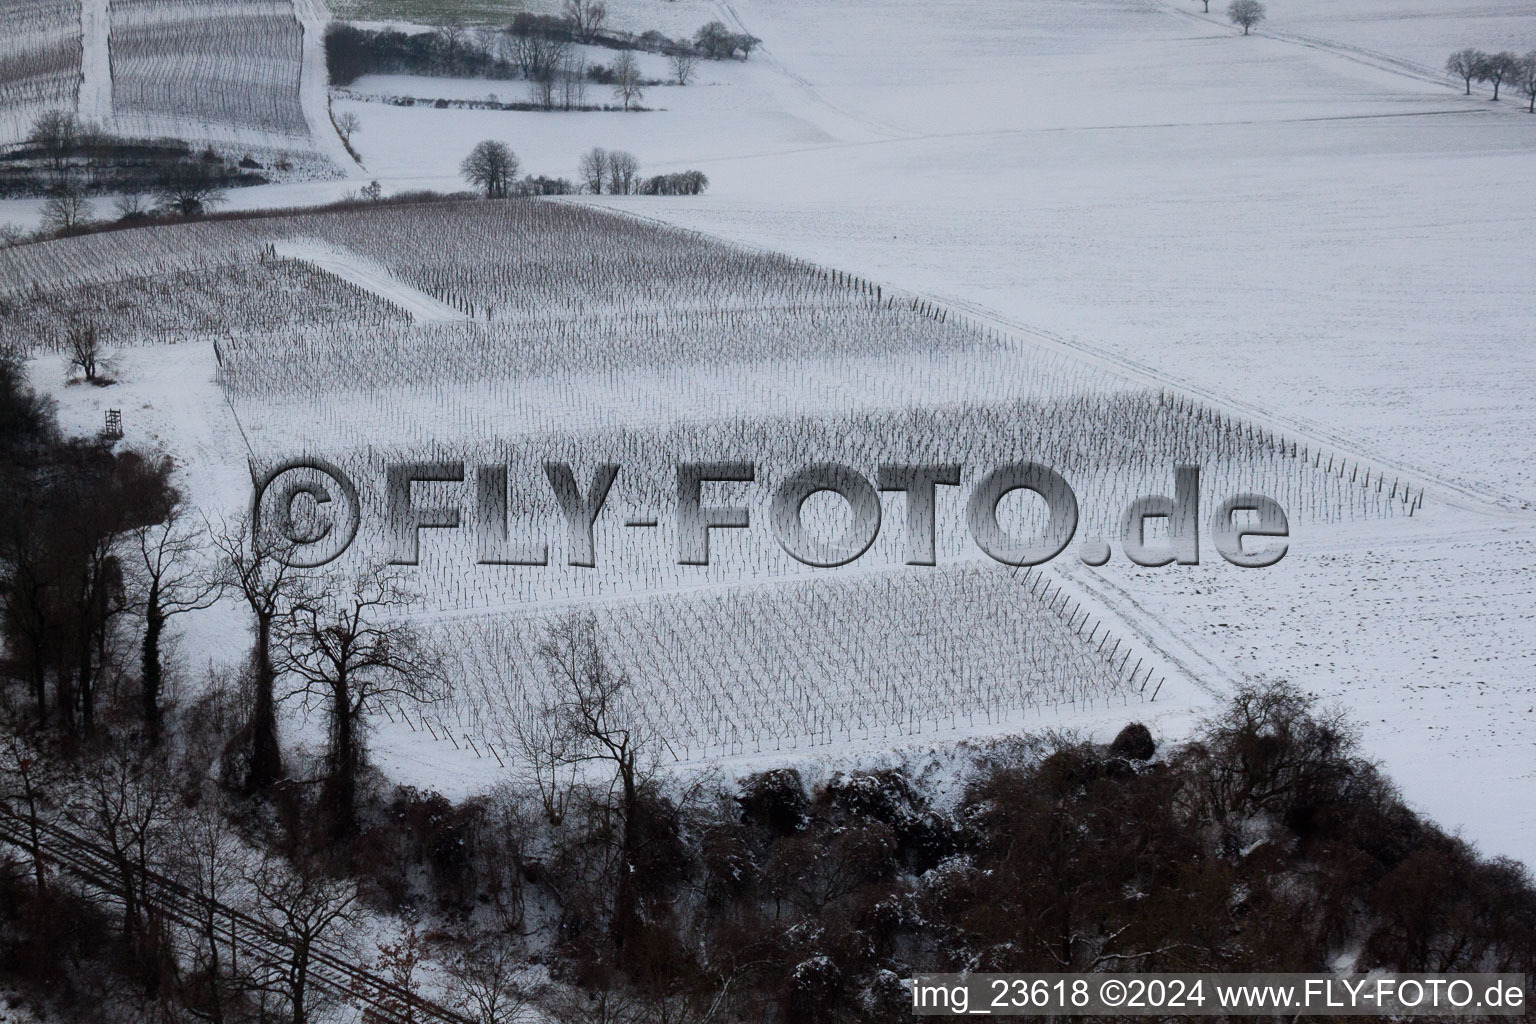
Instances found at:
x=347 y=654
x=172 y=582
x=540 y=739
x=539 y=57
x=682 y=62
x=1246 y=13
x=83 y=345
x=253 y=563
x=210 y=860
x=586 y=17
x=131 y=206
x=398 y=963
x=124 y=804
x=1525 y=77
x=484 y=984
x=1464 y=64
x=623 y=169
x=312 y=912
x=1495 y=67
x=594 y=169
x=347 y=125
x=573 y=81
x=451 y=40
x=55 y=133
x=491 y=167
x=189 y=188
x=626 y=79
x=29 y=782
x=66 y=208
x=595 y=724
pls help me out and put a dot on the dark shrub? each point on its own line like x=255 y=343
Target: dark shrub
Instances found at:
x=1134 y=743
x=774 y=800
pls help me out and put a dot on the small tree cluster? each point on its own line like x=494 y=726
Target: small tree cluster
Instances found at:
x=718 y=42
x=684 y=183
x=615 y=172
x=1472 y=65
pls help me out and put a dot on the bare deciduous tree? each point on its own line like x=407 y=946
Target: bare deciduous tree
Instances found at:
x=1246 y=13
x=593 y=723
x=188 y=189
x=626 y=79
x=594 y=169
x=1495 y=67
x=124 y=804
x=312 y=912
x=491 y=167
x=347 y=654
x=586 y=17
x=55 y=133
x=131 y=206
x=573 y=81
x=172 y=582
x=66 y=208
x=682 y=62
x=347 y=125
x=623 y=169
x=252 y=563
x=210 y=860
x=83 y=344
x=484 y=984
x=28 y=784
x=1525 y=77
x=1464 y=64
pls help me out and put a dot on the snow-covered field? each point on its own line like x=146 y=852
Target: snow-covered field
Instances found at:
x=1309 y=227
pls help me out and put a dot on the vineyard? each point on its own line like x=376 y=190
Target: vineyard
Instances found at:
x=588 y=338
x=40 y=54
x=817 y=662
x=207 y=69
x=227 y=72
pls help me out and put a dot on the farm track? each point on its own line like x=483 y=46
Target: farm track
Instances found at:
x=315 y=85
x=95 y=98
x=356 y=269
x=97 y=868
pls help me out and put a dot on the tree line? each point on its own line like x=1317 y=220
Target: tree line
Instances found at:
x=68 y=162
x=492 y=168
x=1472 y=65
x=540 y=49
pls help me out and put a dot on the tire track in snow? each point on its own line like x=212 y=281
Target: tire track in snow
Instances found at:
x=728 y=12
